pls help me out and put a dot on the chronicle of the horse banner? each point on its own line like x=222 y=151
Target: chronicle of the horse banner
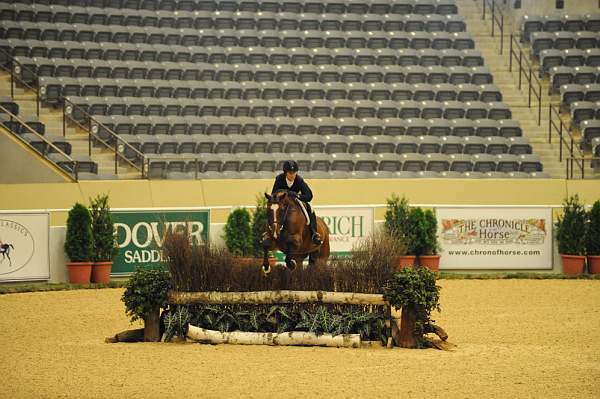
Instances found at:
x=24 y=246
x=495 y=238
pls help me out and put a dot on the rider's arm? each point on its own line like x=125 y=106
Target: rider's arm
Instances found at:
x=276 y=185
x=306 y=194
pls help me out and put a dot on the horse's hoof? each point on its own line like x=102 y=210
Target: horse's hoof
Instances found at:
x=266 y=269
x=291 y=264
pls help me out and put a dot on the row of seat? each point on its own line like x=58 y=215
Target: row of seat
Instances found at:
x=174 y=175
x=590 y=130
x=233 y=20
x=568 y=58
x=188 y=72
x=584 y=110
x=352 y=163
x=570 y=93
x=303 y=126
x=240 y=55
x=329 y=144
x=232 y=37
x=563 y=40
x=295 y=6
x=54 y=89
x=285 y=108
x=85 y=164
x=578 y=75
x=557 y=23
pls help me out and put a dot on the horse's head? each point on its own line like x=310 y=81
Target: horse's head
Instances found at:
x=277 y=208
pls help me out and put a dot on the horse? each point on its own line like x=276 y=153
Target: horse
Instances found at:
x=5 y=251
x=288 y=231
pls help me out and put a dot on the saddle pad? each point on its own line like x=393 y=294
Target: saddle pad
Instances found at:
x=304 y=210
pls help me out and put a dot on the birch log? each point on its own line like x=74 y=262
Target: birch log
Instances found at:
x=268 y=297
x=296 y=338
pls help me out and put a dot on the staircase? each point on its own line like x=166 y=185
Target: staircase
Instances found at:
x=78 y=138
x=517 y=99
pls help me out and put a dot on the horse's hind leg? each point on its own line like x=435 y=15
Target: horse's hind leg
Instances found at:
x=313 y=257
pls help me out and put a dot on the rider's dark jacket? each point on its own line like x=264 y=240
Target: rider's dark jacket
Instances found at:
x=299 y=186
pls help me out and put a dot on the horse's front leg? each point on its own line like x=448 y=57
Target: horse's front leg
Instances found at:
x=267 y=245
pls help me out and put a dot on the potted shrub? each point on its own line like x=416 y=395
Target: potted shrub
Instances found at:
x=426 y=244
x=105 y=248
x=414 y=291
x=238 y=235
x=593 y=239
x=259 y=227
x=79 y=244
x=396 y=223
x=570 y=234
x=145 y=294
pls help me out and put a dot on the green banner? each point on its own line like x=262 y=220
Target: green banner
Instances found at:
x=140 y=235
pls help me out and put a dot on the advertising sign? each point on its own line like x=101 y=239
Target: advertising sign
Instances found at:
x=140 y=235
x=24 y=246
x=495 y=238
x=347 y=226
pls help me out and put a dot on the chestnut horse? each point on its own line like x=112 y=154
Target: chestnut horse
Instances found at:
x=287 y=230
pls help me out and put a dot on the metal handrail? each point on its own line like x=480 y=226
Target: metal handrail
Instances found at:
x=49 y=143
x=561 y=128
x=89 y=118
x=497 y=18
x=525 y=68
x=14 y=65
x=93 y=124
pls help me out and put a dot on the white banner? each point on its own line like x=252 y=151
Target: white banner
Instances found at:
x=495 y=238
x=346 y=225
x=24 y=246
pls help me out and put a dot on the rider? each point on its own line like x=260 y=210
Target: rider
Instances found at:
x=290 y=180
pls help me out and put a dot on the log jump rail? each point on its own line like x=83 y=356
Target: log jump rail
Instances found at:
x=398 y=334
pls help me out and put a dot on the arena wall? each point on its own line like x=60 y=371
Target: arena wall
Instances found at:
x=222 y=195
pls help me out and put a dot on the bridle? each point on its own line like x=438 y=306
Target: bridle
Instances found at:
x=276 y=228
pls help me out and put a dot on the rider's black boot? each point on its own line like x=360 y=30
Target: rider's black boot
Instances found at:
x=316 y=237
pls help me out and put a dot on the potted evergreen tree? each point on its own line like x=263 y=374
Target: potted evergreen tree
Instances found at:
x=238 y=235
x=397 y=225
x=593 y=239
x=105 y=248
x=79 y=244
x=425 y=238
x=145 y=294
x=571 y=236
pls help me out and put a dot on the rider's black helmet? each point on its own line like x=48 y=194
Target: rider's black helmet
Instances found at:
x=290 y=166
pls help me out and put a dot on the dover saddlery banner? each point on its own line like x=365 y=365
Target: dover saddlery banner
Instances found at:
x=140 y=235
x=495 y=238
x=347 y=226
x=24 y=246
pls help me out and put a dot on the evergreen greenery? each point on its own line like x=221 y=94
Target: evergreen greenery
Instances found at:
x=259 y=225
x=415 y=288
x=145 y=291
x=238 y=234
x=396 y=222
x=105 y=246
x=423 y=226
x=593 y=230
x=571 y=227
x=79 y=239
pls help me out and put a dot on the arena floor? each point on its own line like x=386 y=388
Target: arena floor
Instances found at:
x=516 y=338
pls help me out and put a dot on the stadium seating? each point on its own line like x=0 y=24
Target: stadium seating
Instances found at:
x=228 y=89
